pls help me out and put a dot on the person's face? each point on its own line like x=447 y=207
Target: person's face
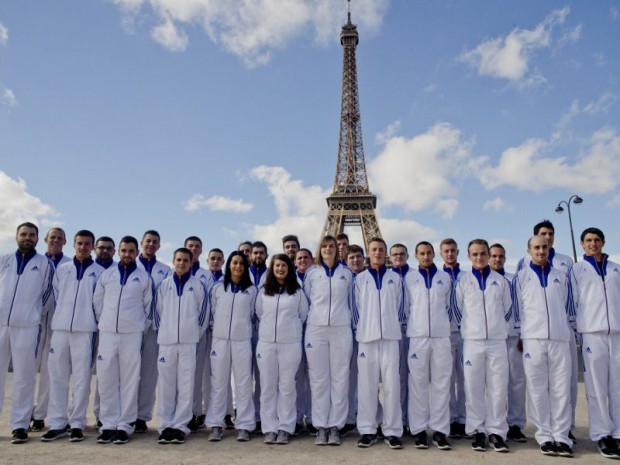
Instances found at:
x=280 y=271
x=303 y=261
x=450 y=254
x=593 y=245
x=215 y=261
x=497 y=258
x=182 y=263
x=343 y=245
x=236 y=268
x=104 y=251
x=26 y=238
x=329 y=251
x=355 y=261
x=290 y=249
x=128 y=252
x=83 y=246
x=55 y=240
x=399 y=257
x=376 y=254
x=195 y=247
x=259 y=256
x=425 y=256
x=478 y=255
x=548 y=234
x=150 y=245
x=538 y=250
x=247 y=250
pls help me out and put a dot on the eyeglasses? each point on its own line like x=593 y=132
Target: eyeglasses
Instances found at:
x=104 y=248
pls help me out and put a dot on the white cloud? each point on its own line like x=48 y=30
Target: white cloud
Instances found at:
x=217 y=203
x=599 y=59
x=496 y=204
x=509 y=57
x=527 y=167
x=408 y=232
x=18 y=205
x=7 y=97
x=614 y=12
x=602 y=104
x=4 y=34
x=250 y=29
x=421 y=172
x=388 y=133
x=571 y=36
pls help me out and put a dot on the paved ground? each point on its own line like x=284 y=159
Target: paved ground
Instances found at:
x=144 y=450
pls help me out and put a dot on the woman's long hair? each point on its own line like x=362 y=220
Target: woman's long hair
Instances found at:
x=272 y=286
x=246 y=281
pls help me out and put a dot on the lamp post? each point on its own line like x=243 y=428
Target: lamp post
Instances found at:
x=559 y=209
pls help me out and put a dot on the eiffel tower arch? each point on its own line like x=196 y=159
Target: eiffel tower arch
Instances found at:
x=351 y=203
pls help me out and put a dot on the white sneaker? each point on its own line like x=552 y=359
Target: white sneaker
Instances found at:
x=217 y=434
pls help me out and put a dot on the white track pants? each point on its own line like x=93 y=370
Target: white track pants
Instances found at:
x=148 y=375
x=601 y=359
x=231 y=356
x=457 y=383
x=176 y=364
x=352 y=414
x=43 y=386
x=430 y=359
x=574 y=358
x=547 y=367
x=19 y=344
x=379 y=361
x=70 y=361
x=278 y=364
x=201 y=359
x=516 y=384
x=118 y=373
x=485 y=368
x=404 y=375
x=328 y=350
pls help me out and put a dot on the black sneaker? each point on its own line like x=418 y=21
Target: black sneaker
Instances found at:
x=367 y=440
x=421 y=440
x=193 y=424
x=121 y=437
x=406 y=431
x=76 y=435
x=139 y=426
x=166 y=436
x=299 y=427
x=98 y=423
x=347 y=429
x=608 y=448
x=440 y=441
x=480 y=442
x=106 y=436
x=54 y=434
x=258 y=429
x=229 y=422
x=178 y=437
x=380 y=433
x=549 y=448
x=463 y=433
x=37 y=425
x=19 y=436
x=515 y=434
x=455 y=431
x=564 y=450
x=393 y=442
x=498 y=443
x=572 y=438
x=312 y=430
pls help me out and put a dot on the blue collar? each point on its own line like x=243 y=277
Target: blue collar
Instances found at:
x=55 y=258
x=126 y=271
x=257 y=272
x=551 y=255
x=180 y=281
x=80 y=266
x=501 y=271
x=600 y=267
x=106 y=265
x=542 y=271
x=481 y=276
x=300 y=275
x=330 y=271
x=403 y=270
x=195 y=267
x=454 y=271
x=428 y=274
x=148 y=263
x=378 y=275
x=23 y=259
x=217 y=274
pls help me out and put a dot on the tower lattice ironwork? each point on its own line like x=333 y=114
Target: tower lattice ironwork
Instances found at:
x=351 y=202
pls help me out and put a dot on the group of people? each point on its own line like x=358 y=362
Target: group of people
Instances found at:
x=308 y=341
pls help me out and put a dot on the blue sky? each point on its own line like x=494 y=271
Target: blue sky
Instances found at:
x=220 y=119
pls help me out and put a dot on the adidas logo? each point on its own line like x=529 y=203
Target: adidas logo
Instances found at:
x=414 y=356
x=258 y=356
x=99 y=357
x=527 y=355
x=308 y=346
x=342 y=278
x=494 y=283
x=390 y=282
x=440 y=282
x=92 y=275
x=51 y=350
x=162 y=360
x=588 y=350
x=615 y=270
x=191 y=289
x=213 y=353
x=362 y=355
x=135 y=280
x=160 y=272
x=556 y=280
x=468 y=363
x=35 y=268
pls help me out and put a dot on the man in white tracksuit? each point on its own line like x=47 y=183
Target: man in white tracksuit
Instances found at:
x=71 y=351
x=25 y=287
x=542 y=309
x=122 y=303
x=483 y=304
x=378 y=315
x=429 y=293
x=595 y=285
x=158 y=271
x=180 y=315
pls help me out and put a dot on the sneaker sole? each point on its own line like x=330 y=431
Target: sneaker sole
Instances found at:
x=567 y=454
x=333 y=443
x=501 y=450
x=479 y=449
x=442 y=447
x=610 y=456
x=60 y=436
x=163 y=442
x=215 y=439
x=18 y=441
x=367 y=445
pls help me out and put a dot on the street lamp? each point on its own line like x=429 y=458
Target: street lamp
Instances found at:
x=559 y=209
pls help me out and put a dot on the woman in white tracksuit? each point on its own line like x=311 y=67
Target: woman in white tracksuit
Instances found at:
x=232 y=302
x=281 y=308
x=329 y=341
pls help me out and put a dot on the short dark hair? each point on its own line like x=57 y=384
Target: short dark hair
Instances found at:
x=448 y=241
x=151 y=232
x=28 y=224
x=129 y=240
x=246 y=281
x=478 y=242
x=106 y=239
x=289 y=238
x=342 y=236
x=423 y=243
x=259 y=245
x=244 y=243
x=378 y=239
x=543 y=224
x=596 y=231
x=354 y=248
x=192 y=238
x=184 y=250
x=215 y=249
x=84 y=233
x=272 y=287
x=498 y=245
x=303 y=249
x=398 y=244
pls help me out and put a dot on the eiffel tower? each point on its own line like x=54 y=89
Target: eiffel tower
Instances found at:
x=351 y=202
